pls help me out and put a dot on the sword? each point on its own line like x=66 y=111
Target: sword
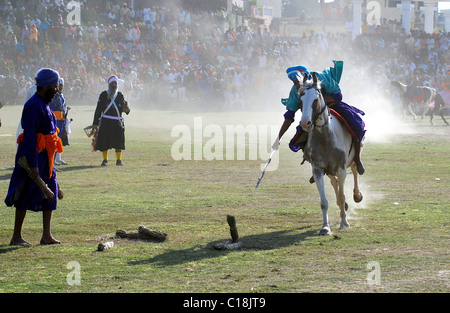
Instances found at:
x=267 y=164
x=48 y=194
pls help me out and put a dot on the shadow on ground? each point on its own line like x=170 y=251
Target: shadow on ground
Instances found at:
x=267 y=241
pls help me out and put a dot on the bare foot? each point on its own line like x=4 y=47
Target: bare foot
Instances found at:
x=50 y=241
x=19 y=242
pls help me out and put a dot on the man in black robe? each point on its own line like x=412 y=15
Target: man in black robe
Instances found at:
x=109 y=121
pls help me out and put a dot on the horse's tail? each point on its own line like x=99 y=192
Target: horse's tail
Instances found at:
x=439 y=101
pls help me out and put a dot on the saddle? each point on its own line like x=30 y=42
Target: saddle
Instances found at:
x=298 y=142
x=417 y=95
x=346 y=125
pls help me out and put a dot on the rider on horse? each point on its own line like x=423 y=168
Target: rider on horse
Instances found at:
x=414 y=92
x=332 y=94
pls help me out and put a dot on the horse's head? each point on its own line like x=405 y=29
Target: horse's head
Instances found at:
x=398 y=91
x=398 y=86
x=311 y=102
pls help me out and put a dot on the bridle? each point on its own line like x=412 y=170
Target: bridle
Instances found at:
x=319 y=97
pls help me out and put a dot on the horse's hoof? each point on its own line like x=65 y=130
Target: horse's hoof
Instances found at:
x=344 y=226
x=358 y=198
x=325 y=231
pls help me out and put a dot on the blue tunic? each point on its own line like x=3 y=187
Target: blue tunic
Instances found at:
x=59 y=104
x=330 y=79
x=23 y=193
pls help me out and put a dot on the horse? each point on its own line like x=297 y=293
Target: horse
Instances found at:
x=329 y=149
x=422 y=95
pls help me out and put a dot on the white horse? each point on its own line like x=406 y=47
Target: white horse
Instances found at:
x=329 y=150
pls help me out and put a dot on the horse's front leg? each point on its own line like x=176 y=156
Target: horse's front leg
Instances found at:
x=438 y=110
x=425 y=112
x=432 y=115
x=318 y=177
x=410 y=108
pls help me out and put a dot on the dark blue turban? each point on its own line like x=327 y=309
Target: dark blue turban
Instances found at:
x=47 y=77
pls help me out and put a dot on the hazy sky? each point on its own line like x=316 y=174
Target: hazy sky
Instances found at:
x=444 y=5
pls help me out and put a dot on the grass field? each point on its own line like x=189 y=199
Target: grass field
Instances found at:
x=398 y=240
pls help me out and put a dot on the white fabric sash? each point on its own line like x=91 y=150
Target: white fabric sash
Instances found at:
x=111 y=117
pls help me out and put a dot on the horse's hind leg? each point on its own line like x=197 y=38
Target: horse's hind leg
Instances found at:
x=342 y=173
x=410 y=108
x=334 y=183
x=357 y=195
x=439 y=107
x=441 y=113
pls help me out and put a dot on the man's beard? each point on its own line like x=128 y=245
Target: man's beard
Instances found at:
x=49 y=95
x=112 y=92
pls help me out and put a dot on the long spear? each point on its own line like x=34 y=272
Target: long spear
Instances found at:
x=267 y=163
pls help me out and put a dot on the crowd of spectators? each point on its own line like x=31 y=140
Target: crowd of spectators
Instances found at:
x=178 y=56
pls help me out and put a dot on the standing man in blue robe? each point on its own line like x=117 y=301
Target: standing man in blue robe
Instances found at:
x=38 y=143
x=60 y=109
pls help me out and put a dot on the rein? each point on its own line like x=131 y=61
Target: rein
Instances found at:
x=321 y=111
x=319 y=114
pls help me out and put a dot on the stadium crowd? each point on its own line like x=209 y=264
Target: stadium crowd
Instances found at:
x=174 y=54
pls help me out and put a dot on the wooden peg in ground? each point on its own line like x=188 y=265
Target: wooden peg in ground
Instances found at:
x=233 y=229
x=235 y=243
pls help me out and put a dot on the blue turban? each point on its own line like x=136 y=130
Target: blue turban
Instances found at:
x=294 y=72
x=47 y=77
